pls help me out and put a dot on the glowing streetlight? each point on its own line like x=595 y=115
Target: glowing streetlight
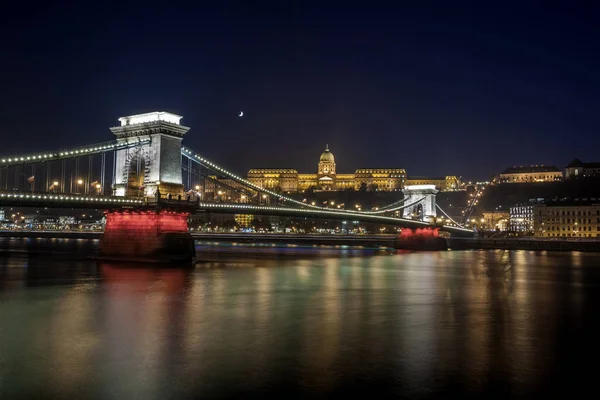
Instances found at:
x=55 y=183
x=80 y=181
x=98 y=186
x=197 y=187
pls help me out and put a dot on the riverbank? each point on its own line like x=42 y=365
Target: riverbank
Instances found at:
x=524 y=244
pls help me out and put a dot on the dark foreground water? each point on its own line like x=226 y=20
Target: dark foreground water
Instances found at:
x=301 y=322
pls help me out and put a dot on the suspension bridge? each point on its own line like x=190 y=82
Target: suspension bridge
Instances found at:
x=149 y=183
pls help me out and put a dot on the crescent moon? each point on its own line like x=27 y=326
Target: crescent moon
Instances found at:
x=241 y=114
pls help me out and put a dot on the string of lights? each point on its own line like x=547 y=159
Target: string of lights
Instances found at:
x=67 y=198
x=241 y=208
x=75 y=152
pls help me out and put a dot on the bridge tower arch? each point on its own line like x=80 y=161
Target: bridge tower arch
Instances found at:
x=425 y=209
x=154 y=164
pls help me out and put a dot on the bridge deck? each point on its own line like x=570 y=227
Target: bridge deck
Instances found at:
x=111 y=202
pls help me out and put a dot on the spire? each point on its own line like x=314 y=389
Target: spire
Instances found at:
x=326 y=147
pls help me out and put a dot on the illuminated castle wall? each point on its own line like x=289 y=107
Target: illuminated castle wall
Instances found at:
x=327 y=178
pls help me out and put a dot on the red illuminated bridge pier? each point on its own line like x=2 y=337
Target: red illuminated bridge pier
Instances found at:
x=151 y=234
x=421 y=239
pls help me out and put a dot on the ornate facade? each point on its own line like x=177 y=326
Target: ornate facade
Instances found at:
x=327 y=178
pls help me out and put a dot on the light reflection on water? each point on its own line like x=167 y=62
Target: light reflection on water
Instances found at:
x=430 y=323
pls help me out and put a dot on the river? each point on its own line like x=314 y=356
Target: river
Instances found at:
x=300 y=322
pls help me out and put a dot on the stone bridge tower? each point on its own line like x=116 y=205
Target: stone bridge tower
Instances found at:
x=424 y=210
x=156 y=164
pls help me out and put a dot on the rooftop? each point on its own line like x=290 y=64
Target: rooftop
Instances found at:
x=578 y=163
x=150 y=117
x=530 y=169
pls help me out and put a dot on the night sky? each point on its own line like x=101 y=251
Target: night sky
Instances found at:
x=431 y=87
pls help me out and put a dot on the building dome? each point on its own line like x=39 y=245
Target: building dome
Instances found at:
x=327 y=155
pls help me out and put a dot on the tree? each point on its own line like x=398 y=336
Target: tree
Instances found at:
x=363 y=187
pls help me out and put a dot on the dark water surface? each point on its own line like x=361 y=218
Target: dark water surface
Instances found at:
x=301 y=322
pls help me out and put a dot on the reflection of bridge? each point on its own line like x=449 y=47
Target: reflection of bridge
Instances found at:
x=147 y=168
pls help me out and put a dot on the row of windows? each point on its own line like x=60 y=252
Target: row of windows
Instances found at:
x=568 y=228
x=568 y=220
x=375 y=171
x=572 y=235
x=571 y=212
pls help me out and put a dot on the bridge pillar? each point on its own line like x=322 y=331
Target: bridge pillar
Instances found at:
x=147 y=235
x=154 y=164
x=424 y=210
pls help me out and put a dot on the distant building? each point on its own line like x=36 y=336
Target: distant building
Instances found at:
x=577 y=169
x=244 y=220
x=534 y=173
x=1 y=215
x=443 y=183
x=568 y=218
x=327 y=178
x=495 y=220
x=521 y=218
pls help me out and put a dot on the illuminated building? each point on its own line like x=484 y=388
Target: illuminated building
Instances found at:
x=244 y=220
x=568 y=218
x=521 y=218
x=442 y=183
x=1 y=215
x=578 y=169
x=495 y=220
x=534 y=173
x=327 y=178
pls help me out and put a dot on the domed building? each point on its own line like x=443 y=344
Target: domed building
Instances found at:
x=327 y=178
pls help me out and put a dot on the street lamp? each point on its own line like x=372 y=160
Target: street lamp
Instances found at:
x=197 y=187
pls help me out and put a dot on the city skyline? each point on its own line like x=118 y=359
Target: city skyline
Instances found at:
x=462 y=91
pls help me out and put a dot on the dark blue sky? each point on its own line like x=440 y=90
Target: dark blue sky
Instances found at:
x=432 y=87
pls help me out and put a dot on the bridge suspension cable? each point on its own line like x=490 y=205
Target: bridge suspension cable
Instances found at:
x=447 y=216
x=74 y=152
x=210 y=165
x=400 y=207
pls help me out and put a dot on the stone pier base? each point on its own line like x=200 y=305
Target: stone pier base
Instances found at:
x=148 y=236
